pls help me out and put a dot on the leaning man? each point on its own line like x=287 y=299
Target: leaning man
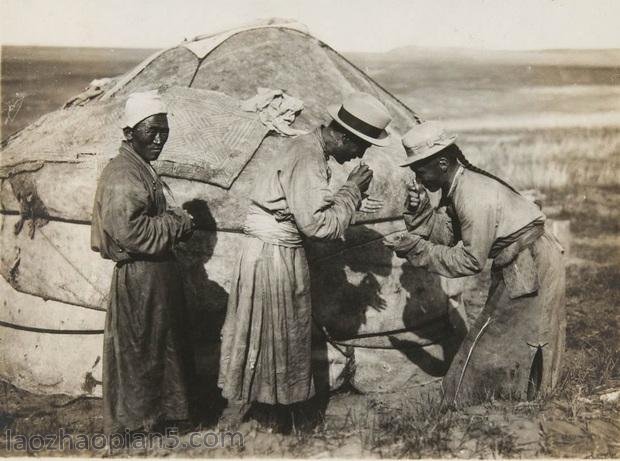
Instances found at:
x=266 y=347
x=144 y=380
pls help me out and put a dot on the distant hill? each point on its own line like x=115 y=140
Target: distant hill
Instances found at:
x=405 y=69
x=117 y=58
x=474 y=88
x=602 y=58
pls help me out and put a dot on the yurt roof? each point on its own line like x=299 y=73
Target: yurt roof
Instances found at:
x=233 y=64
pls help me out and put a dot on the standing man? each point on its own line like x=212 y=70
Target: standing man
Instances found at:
x=144 y=379
x=266 y=336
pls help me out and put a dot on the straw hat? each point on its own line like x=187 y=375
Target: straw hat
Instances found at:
x=364 y=116
x=424 y=140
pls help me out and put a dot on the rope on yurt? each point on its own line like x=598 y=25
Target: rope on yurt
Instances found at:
x=53 y=331
x=388 y=348
x=441 y=318
x=74 y=400
x=50 y=218
x=349 y=347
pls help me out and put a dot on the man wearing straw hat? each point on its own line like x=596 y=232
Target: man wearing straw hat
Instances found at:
x=266 y=348
x=515 y=346
x=144 y=376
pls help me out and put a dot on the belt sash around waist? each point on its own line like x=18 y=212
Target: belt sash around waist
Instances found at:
x=506 y=249
x=263 y=225
x=132 y=257
x=513 y=257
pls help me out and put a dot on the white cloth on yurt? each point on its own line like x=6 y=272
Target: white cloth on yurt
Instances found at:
x=276 y=110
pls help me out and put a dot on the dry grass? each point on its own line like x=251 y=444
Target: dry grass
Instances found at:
x=421 y=428
x=549 y=159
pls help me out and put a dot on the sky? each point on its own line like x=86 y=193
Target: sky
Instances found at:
x=346 y=25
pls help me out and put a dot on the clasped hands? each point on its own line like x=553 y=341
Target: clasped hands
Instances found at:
x=361 y=175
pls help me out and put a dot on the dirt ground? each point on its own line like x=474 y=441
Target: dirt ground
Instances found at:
x=580 y=419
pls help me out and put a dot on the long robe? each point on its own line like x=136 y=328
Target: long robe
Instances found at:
x=514 y=348
x=144 y=376
x=266 y=348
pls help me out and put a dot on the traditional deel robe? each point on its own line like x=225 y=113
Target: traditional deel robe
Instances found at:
x=145 y=360
x=515 y=346
x=266 y=348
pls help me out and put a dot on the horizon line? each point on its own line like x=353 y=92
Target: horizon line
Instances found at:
x=507 y=50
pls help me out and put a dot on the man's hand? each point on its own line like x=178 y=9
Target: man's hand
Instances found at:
x=361 y=175
x=402 y=243
x=371 y=205
x=415 y=195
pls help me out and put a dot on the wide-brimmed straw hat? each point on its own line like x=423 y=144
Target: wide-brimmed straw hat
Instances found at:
x=364 y=116
x=425 y=140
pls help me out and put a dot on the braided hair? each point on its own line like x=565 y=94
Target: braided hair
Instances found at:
x=458 y=154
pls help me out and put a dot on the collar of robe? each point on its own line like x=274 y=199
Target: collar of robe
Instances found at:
x=456 y=176
x=319 y=136
x=127 y=149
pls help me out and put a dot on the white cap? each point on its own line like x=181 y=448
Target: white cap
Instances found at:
x=142 y=105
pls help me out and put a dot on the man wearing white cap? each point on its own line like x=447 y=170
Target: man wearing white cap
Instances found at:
x=514 y=348
x=144 y=376
x=266 y=351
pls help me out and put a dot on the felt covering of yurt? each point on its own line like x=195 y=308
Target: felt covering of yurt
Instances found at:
x=386 y=322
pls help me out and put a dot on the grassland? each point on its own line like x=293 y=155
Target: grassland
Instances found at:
x=574 y=164
x=37 y=80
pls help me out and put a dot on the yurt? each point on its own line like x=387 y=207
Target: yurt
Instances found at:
x=236 y=100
